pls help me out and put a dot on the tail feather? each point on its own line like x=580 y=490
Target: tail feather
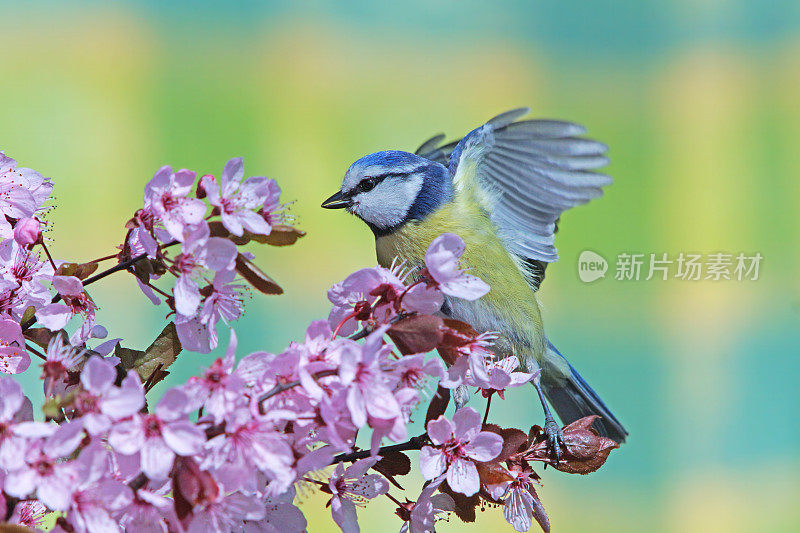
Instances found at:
x=573 y=398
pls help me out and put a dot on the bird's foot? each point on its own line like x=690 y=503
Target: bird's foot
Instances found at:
x=555 y=438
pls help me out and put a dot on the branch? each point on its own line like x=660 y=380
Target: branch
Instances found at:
x=369 y=329
x=414 y=443
x=97 y=277
x=281 y=387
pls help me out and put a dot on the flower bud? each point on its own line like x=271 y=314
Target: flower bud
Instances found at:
x=27 y=231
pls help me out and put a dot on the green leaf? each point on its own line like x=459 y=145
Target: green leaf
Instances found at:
x=158 y=356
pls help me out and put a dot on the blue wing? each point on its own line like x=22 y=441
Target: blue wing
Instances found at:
x=525 y=174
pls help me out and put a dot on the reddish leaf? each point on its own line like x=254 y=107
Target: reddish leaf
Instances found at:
x=514 y=440
x=84 y=270
x=40 y=336
x=454 y=334
x=256 y=277
x=66 y=269
x=464 y=506
x=191 y=486
x=282 y=235
x=416 y=334
x=393 y=464
x=217 y=229
x=538 y=511
x=584 y=450
x=438 y=404
x=492 y=473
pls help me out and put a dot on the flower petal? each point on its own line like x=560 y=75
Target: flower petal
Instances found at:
x=484 y=446
x=440 y=430
x=462 y=476
x=432 y=462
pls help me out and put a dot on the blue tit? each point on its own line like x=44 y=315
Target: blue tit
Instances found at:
x=502 y=188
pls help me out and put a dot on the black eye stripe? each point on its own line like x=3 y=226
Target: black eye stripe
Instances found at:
x=372 y=181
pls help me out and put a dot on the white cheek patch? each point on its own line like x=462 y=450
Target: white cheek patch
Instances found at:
x=388 y=204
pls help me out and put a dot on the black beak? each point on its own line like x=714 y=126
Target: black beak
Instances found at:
x=337 y=201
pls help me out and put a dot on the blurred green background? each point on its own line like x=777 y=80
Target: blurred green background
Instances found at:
x=698 y=101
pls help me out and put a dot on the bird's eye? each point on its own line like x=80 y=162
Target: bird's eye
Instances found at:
x=367 y=184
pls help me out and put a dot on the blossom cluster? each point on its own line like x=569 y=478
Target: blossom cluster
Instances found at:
x=228 y=449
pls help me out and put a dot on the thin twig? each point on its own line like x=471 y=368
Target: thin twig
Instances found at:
x=369 y=329
x=47 y=253
x=414 y=443
x=97 y=277
x=35 y=352
x=104 y=258
x=281 y=387
x=488 y=404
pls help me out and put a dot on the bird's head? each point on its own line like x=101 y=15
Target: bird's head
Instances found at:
x=386 y=189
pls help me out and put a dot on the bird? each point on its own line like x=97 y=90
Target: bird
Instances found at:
x=502 y=188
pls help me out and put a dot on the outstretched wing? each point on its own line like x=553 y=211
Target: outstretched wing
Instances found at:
x=525 y=174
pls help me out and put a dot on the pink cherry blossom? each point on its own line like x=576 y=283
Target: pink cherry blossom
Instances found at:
x=29 y=513
x=457 y=445
x=199 y=254
x=520 y=504
x=149 y=512
x=382 y=288
x=501 y=375
x=441 y=261
x=250 y=445
x=44 y=472
x=165 y=196
x=222 y=299
x=271 y=210
x=219 y=512
x=413 y=370
x=159 y=436
x=280 y=516
x=22 y=193
x=12 y=446
x=195 y=335
x=97 y=498
x=60 y=358
x=237 y=200
x=352 y=485
x=23 y=279
x=424 y=512
x=13 y=357
x=218 y=389
x=99 y=402
x=76 y=302
x=369 y=392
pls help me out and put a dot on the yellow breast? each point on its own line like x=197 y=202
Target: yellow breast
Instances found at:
x=510 y=307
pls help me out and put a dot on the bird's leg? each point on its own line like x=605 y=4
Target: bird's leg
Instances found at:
x=551 y=429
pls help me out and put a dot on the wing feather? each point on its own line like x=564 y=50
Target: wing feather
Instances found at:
x=526 y=173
